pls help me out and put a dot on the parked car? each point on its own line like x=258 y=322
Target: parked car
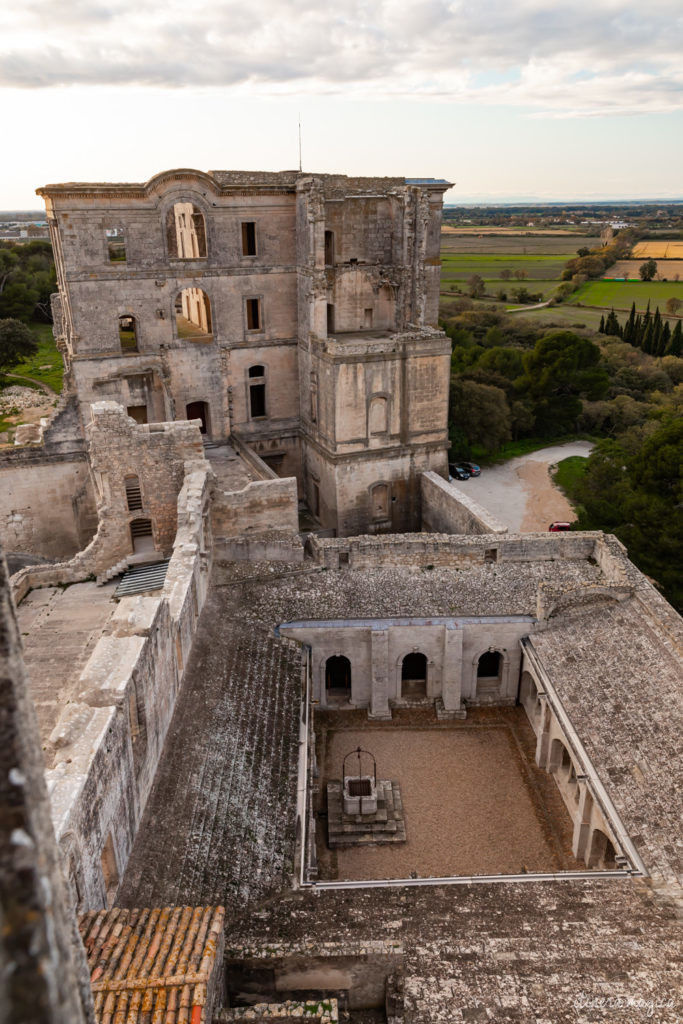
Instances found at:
x=472 y=468
x=559 y=527
x=458 y=472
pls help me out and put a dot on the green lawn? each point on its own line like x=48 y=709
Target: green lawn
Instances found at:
x=621 y=294
x=47 y=364
x=568 y=473
x=564 y=317
x=562 y=245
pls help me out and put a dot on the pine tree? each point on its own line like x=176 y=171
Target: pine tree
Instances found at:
x=601 y=328
x=676 y=343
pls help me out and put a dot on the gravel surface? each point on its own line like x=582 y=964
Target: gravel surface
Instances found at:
x=521 y=492
x=473 y=804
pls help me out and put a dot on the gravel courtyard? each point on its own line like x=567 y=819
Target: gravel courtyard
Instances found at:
x=474 y=801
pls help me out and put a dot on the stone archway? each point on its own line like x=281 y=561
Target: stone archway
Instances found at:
x=414 y=676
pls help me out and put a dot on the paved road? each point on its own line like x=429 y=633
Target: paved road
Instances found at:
x=521 y=493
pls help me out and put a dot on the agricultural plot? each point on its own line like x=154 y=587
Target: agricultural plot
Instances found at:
x=663 y=250
x=461 y=266
x=622 y=294
x=628 y=269
x=523 y=245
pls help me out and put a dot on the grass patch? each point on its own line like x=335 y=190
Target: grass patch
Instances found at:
x=519 y=244
x=46 y=365
x=513 y=449
x=622 y=294
x=569 y=473
x=542 y=268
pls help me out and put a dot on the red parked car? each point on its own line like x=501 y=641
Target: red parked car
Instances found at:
x=559 y=527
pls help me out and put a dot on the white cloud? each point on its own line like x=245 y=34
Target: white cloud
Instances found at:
x=586 y=58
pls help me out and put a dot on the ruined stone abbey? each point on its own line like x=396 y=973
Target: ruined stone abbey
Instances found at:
x=236 y=561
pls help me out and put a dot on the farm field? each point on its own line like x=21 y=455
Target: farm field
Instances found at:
x=621 y=294
x=666 y=269
x=659 y=250
x=460 y=266
x=494 y=245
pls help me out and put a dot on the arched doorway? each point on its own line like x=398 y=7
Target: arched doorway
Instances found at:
x=338 y=678
x=602 y=853
x=489 y=673
x=414 y=676
x=199 y=411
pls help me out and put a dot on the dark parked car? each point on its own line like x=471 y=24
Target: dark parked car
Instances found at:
x=458 y=472
x=471 y=467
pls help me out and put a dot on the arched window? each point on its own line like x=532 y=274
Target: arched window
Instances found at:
x=257 y=391
x=185 y=232
x=414 y=675
x=128 y=333
x=378 y=415
x=338 y=676
x=133 y=493
x=193 y=314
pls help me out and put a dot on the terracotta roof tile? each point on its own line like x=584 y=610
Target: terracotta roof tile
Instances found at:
x=152 y=966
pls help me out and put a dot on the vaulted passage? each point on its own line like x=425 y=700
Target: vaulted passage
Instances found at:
x=338 y=676
x=414 y=675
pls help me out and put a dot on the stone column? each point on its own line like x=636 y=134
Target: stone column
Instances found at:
x=451 y=691
x=582 y=824
x=379 y=693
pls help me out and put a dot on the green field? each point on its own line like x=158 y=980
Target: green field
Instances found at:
x=622 y=294
x=459 y=267
x=46 y=365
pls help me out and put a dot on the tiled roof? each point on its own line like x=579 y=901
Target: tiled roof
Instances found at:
x=152 y=966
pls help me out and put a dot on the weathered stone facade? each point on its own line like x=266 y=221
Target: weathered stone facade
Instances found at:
x=298 y=310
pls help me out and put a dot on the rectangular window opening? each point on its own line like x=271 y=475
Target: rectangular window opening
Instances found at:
x=253 y=314
x=116 y=244
x=249 y=238
x=257 y=400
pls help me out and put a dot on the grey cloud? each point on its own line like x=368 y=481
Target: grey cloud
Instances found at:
x=377 y=47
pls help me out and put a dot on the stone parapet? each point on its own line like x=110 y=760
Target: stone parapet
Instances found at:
x=447 y=510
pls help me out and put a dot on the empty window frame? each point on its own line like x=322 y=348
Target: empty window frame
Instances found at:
x=248 y=238
x=141 y=535
x=254 y=315
x=133 y=493
x=378 y=415
x=116 y=244
x=257 y=391
x=186 y=232
x=329 y=248
x=128 y=333
x=193 y=314
x=137 y=413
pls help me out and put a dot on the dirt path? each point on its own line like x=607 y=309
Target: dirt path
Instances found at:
x=521 y=492
x=45 y=387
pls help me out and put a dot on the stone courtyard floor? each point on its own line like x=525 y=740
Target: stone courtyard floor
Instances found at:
x=474 y=801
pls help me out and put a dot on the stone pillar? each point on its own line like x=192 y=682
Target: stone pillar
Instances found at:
x=379 y=692
x=582 y=824
x=543 y=739
x=451 y=691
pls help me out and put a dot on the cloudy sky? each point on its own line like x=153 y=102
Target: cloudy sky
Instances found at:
x=530 y=97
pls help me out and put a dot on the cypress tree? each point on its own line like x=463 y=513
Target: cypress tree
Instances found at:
x=676 y=343
x=656 y=332
x=638 y=332
x=629 y=334
x=664 y=339
x=601 y=328
x=612 y=324
x=648 y=336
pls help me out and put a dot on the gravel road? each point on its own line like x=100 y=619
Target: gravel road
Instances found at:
x=521 y=492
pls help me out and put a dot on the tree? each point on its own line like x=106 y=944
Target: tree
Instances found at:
x=16 y=343
x=475 y=285
x=562 y=369
x=673 y=305
x=479 y=413
x=647 y=270
x=676 y=343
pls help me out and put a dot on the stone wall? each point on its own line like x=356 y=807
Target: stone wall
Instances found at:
x=47 y=503
x=43 y=973
x=109 y=741
x=445 y=509
x=453 y=551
